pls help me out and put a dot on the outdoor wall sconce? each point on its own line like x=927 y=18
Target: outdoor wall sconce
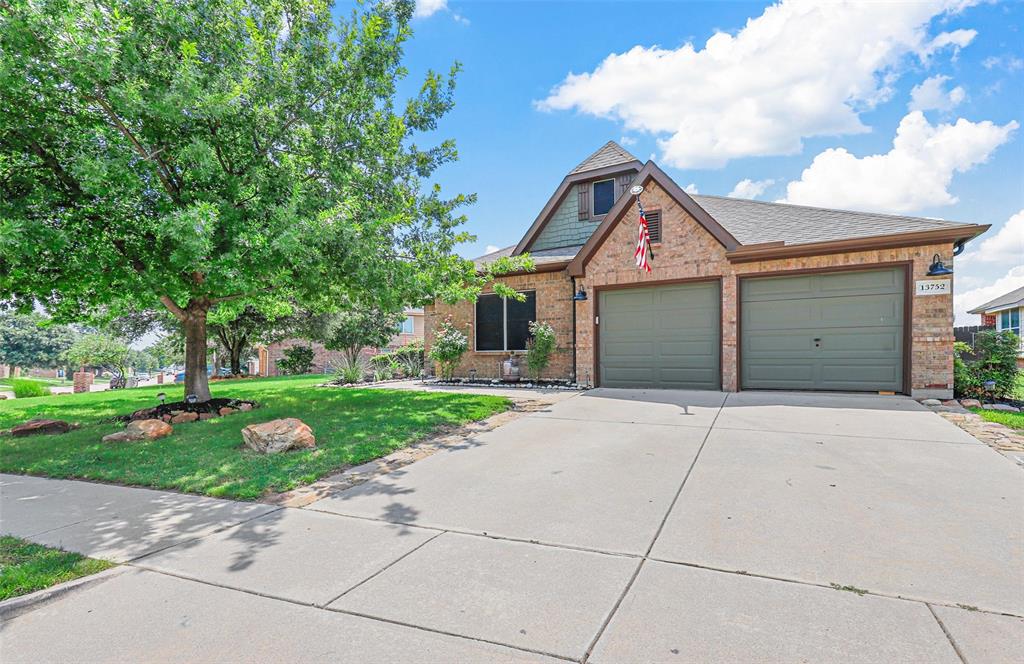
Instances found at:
x=937 y=269
x=580 y=296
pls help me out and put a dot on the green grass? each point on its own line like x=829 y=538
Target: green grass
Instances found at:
x=1018 y=391
x=25 y=388
x=27 y=567
x=6 y=382
x=1012 y=420
x=351 y=426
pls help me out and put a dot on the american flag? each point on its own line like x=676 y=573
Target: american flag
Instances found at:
x=643 y=241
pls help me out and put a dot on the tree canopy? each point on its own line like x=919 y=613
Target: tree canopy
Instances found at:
x=30 y=341
x=188 y=154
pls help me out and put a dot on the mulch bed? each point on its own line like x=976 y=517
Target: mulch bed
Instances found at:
x=157 y=412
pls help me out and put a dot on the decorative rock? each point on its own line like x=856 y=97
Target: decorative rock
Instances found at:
x=2 y=397
x=184 y=417
x=226 y=410
x=278 y=436
x=970 y=403
x=244 y=406
x=140 y=430
x=1001 y=406
x=40 y=426
x=207 y=416
x=931 y=402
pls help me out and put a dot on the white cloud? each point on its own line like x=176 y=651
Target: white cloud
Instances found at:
x=799 y=69
x=1005 y=246
x=914 y=174
x=491 y=248
x=931 y=94
x=978 y=296
x=747 y=188
x=691 y=188
x=1007 y=62
x=627 y=140
x=427 y=8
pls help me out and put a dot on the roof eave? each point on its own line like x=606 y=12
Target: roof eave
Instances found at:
x=993 y=309
x=543 y=267
x=777 y=250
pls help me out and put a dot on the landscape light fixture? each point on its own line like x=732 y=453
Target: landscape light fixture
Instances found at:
x=937 y=269
x=162 y=397
x=191 y=398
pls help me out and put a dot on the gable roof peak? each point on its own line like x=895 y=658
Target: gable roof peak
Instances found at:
x=609 y=154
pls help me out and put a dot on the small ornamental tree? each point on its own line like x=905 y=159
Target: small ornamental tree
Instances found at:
x=352 y=330
x=183 y=155
x=99 y=351
x=447 y=348
x=540 y=348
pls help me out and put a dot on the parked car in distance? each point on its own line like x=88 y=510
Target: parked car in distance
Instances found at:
x=179 y=377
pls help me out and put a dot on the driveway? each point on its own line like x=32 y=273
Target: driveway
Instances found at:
x=612 y=526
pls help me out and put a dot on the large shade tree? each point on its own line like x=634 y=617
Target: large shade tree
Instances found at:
x=184 y=154
x=31 y=341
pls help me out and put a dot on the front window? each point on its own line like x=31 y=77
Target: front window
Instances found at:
x=503 y=324
x=408 y=326
x=604 y=197
x=1009 y=320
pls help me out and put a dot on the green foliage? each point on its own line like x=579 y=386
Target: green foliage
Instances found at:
x=351 y=369
x=540 y=348
x=32 y=341
x=449 y=345
x=187 y=155
x=995 y=360
x=297 y=360
x=410 y=358
x=359 y=327
x=26 y=567
x=25 y=388
x=100 y=351
x=351 y=426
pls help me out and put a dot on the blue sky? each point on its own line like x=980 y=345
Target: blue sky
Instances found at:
x=804 y=102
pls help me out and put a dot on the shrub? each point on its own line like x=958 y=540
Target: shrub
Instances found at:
x=995 y=359
x=296 y=360
x=410 y=358
x=25 y=388
x=449 y=346
x=540 y=348
x=351 y=370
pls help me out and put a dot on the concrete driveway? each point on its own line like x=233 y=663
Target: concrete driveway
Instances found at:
x=613 y=526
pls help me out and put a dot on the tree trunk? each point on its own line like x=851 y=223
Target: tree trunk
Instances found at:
x=236 y=359
x=194 y=324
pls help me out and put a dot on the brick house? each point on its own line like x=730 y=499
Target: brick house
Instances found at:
x=742 y=294
x=1005 y=313
x=325 y=360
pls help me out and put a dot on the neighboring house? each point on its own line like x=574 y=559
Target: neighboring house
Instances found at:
x=1005 y=313
x=743 y=294
x=324 y=360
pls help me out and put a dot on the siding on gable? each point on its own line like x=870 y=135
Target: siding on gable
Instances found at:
x=565 y=228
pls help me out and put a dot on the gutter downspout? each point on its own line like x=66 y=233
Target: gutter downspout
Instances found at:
x=572 y=298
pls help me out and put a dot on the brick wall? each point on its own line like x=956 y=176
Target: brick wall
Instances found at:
x=554 y=306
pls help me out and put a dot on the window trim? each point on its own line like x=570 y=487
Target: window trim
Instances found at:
x=593 y=206
x=504 y=319
x=1008 y=323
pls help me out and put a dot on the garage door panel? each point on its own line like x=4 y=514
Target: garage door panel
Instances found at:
x=823 y=331
x=664 y=336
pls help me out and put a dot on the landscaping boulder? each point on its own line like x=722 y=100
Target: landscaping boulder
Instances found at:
x=970 y=403
x=40 y=426
x=279 y=436
x=184 y=417
x=1006 y=408
x=244 y=406
x=140 y=430
x=226 y=410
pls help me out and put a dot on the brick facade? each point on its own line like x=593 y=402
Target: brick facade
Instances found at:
x=687 y=251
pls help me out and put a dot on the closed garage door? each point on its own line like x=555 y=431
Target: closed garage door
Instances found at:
x=664 y=337
x=837 y=331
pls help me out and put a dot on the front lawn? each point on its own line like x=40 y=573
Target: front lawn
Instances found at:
x=26 y=567
x=1012 y=420
x=351 y=426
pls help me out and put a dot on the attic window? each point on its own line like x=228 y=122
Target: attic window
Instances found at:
x=604 y=196
x=653 y=224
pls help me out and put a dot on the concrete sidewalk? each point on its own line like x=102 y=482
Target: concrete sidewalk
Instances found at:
x=612 y=526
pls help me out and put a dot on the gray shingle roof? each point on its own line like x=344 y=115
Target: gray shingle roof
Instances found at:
x=609 y=154
x=541 y=257
x=757 y=222
x=1013 y=298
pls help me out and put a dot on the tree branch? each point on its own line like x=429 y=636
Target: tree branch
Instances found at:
x=173 y=307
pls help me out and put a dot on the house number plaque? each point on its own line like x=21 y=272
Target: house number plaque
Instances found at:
x=934 y=287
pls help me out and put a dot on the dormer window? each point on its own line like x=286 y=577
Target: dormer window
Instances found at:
x=604 y=196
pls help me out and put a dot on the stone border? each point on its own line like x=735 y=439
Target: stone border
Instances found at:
x=999 y=437
x=446 y=438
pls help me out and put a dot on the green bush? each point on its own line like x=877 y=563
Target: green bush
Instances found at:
x=351 y=370
x=540 y=348
x=297 y=360
x=449 y=346
x=25 y=388
x=995 y=360
x=410 y=358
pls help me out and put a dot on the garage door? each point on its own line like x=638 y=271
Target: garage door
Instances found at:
x=664 y=337
x=837 y=331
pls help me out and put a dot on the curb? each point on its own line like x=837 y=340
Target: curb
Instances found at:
x=17 y=606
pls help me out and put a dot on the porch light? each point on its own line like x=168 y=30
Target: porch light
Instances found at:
x=937 y=269
x=580 y=296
